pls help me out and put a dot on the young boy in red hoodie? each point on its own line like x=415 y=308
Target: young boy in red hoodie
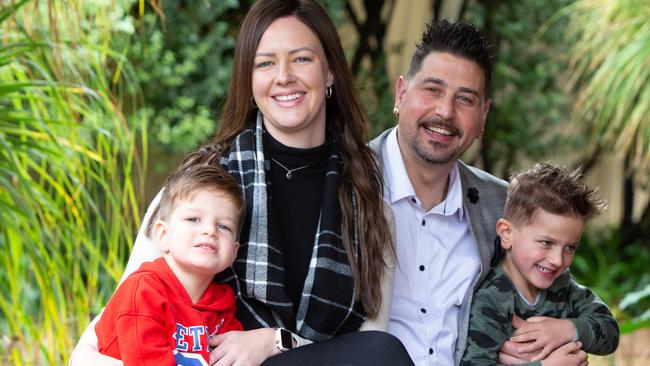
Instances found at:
x=165 y=312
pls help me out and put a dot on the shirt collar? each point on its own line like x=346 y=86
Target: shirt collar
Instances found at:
x=397 y=183
x=398 y=186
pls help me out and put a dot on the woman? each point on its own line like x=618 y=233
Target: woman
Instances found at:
x=313 y=242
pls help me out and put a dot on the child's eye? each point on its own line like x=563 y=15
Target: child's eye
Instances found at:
x=193 y=219
x=545 y=243
x=570 y=248
x=224 y=227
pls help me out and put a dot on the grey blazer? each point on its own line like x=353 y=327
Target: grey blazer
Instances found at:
x=483 y=203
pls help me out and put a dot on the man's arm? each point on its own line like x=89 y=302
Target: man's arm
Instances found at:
x=586 y=319
x=568 y=354
x=543 y=335
x=592 y=324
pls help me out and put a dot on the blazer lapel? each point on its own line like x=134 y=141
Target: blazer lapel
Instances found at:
x=478 y=216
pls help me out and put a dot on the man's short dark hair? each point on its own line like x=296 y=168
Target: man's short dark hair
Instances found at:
x=460 y=39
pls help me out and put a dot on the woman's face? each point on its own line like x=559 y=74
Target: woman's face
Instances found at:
x=290 y=74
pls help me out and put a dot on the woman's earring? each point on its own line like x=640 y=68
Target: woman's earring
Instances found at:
x=396 y=112
x=253 y=102
x=328 y=91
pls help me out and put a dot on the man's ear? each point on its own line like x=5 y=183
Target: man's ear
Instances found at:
x=160 y=235
x=400 y=88
x=504 y=230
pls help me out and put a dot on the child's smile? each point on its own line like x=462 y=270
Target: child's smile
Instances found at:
x=540 y=250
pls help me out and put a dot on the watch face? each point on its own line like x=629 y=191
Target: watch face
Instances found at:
x=287 y=340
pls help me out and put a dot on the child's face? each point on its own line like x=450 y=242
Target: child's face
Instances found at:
x=199 y=237
x=540 y=250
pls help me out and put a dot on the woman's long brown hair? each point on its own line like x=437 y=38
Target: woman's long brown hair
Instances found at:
x=347 y=123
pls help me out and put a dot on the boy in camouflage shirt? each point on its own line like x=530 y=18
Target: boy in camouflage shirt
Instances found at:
x=545 y=214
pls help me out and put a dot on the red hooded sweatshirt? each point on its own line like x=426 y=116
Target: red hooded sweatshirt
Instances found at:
x=150 y=320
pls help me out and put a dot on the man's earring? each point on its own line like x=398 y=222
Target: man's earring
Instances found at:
x=396 y=112
x=328 y=91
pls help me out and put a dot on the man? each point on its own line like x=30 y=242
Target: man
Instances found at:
x=445 y=211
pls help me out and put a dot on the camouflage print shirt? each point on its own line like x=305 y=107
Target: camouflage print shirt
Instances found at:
x=497 y=299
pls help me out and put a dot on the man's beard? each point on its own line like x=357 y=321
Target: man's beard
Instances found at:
x=442 y=153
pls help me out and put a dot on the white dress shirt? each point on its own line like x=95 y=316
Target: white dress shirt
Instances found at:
x=437 y=262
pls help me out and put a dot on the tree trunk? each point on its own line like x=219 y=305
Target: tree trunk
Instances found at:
x=371 y=32
x=490 y=30
x=628 y=228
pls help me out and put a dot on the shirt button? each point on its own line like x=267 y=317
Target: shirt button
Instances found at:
x=413 y=199
x=423 y=222
x=430 y=351
x=423 y=310
x=421 y=268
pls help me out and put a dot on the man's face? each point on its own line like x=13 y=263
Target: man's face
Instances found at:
x=442 y=109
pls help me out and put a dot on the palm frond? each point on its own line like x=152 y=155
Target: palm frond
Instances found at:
x=610 y=61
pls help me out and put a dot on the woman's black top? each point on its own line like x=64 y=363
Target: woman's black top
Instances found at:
x=295 y=204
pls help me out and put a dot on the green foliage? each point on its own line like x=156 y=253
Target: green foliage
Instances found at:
x=68 y=200
x=184 y=61
x=618 y=273
x=336 y=10
x=609 y=62
x=377 y=95
x=609 y=53
x=528 y=103
x=633 y=300
x=531 y=105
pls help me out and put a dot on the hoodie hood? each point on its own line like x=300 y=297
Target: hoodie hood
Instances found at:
x=217 y=297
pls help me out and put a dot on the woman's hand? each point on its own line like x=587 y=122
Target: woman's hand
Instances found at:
x=247 y=348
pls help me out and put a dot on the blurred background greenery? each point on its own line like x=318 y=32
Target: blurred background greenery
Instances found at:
x=99 y=98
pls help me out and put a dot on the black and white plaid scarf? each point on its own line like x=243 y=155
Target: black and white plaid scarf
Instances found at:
x=327 y=306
